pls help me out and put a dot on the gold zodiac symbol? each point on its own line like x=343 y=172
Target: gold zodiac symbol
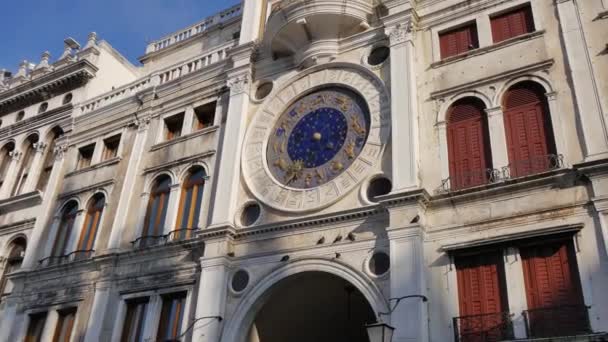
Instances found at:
x=281 y=164
x=349 y=150
x=357 y=127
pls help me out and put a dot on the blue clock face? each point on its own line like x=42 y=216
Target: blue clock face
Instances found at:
x=318 y=138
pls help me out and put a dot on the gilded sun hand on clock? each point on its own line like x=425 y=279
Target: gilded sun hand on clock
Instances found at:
x=318 y=138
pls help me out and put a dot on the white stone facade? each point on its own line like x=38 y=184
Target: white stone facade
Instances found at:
x=207 y=97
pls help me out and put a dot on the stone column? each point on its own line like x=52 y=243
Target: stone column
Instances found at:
x=172 y=208
x=128 y=189
x=498 y=138
x=444 y=154
x=404 y=135
x=45 y=211
x=593 y=120
x=228 y=177
x=558 y=126
x=516 y=290
x=212 y=292
x=11 y=175
x=35 y=168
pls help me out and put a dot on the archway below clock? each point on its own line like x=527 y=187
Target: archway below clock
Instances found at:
x=312 y=306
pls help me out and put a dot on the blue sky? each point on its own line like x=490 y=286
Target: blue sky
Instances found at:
x=28 y=28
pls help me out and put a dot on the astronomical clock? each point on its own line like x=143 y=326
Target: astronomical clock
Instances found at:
x=316 y=139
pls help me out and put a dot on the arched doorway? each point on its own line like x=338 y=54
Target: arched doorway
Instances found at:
x=312 y=306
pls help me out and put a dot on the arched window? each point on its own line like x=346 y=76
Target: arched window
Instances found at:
x=26 y=164
x=49 y=158
x=157 y=209
x=91 y=223
x=468 y=144
x=64 y=231
x=190 y=203
x=13 y=263
x=530 y=141
x=5 y=160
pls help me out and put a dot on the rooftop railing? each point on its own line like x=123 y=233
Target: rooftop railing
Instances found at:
x=198 y=28
x=483 y=328
x=159 y=78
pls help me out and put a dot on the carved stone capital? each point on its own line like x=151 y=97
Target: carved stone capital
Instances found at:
x=39 y=147
x=401 y=33
x=15 y=155
x=239 y=84
x=142 y=123
x=60 y=152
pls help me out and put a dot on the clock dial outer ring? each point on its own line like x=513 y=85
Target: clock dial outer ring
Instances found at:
x=256 y=172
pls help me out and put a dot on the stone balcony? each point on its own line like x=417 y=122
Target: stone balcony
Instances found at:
x=309 y=29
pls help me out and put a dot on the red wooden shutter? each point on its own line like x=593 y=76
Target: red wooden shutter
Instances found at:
x=458 y=41
x=553 y=289
x=512 y=24
x=467 y=148
x=481 y=295
x=526 y=123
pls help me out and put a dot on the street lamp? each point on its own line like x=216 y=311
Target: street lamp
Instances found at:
x=382 y=332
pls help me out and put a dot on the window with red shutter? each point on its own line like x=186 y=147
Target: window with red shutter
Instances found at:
x=459 y=40
x=553 y=290
x=482 y=297
x=512 y=24
x=528 y=127
x=468 y=144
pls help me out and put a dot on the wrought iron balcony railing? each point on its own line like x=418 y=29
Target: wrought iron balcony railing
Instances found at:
x=67 y=258
x=158 y=240
x=565 y=320
x=516 y=169
x=483 y=328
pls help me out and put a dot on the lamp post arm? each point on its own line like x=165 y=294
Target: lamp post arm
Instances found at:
x=398 y=300
x=219 y=319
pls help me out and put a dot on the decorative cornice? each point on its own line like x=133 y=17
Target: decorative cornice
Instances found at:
x=39 y=89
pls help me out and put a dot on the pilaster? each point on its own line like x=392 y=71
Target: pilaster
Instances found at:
x=36 y=244
x=406 y=235
x=101 y=300
x=212 y=293
x=128 y=189
x=593 y=120
x=228 y=178
x=559 y=127
x=404 y=115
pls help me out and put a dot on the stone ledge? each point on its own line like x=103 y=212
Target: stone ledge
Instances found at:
x=487 y=49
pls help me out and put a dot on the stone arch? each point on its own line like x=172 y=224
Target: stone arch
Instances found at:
x=254 y=298
x=12 y=240
x=445 y=107
x=64 y=204
x=186 y=170
x=500 y=94
x=152 y=179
